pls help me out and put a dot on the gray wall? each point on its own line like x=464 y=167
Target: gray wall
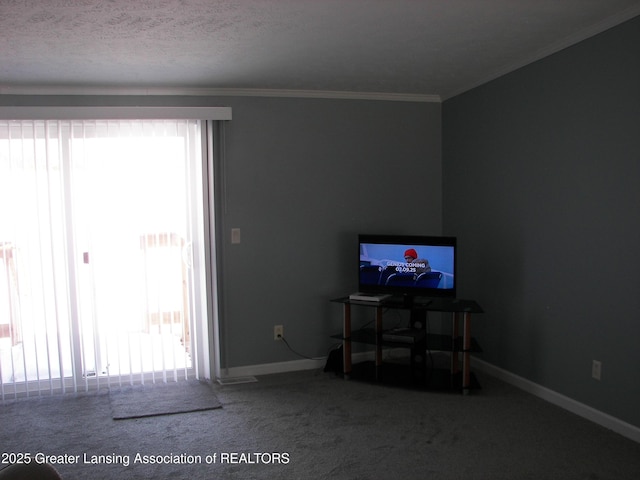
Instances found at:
x=541 y=172
x=302 y=178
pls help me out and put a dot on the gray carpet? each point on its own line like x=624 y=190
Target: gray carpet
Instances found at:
x=324 y=427
x=162 y=399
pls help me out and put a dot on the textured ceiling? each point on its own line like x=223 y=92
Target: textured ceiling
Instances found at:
x=416 y=47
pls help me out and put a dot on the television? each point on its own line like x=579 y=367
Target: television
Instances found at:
x=407 y=265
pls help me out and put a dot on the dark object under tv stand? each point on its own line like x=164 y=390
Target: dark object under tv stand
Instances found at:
x=460 y=344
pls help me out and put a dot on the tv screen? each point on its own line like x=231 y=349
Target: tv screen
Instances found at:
x=407 y=265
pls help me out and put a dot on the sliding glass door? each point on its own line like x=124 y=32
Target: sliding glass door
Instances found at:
x=98 y=222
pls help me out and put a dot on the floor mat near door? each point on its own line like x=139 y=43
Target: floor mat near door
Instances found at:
x=162 y=399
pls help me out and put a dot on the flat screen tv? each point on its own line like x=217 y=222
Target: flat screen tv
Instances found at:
x=407 y=265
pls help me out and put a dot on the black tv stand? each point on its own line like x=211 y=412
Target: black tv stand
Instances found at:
x=459 y=344
x=408 y=301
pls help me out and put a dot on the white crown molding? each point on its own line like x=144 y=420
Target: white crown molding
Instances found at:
x=566 y=42
x=215 y=92
x=381 y=96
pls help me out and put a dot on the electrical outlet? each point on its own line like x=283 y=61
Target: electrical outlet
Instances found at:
x=278 y=332
x=596 y=369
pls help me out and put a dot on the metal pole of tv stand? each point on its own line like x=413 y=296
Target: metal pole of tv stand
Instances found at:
x=465 y=348
x=346 y=340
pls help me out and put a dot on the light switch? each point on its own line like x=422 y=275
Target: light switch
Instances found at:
x=235 y=235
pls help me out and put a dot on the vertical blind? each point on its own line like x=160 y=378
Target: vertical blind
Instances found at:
x=98 y=222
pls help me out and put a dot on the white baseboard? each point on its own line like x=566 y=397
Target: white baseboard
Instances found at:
x=603 y=419
x=283 y=367
x=270 y=368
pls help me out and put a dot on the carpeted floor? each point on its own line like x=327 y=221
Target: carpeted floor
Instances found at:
x=314 y=425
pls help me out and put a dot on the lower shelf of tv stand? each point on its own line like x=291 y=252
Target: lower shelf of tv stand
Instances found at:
x=434 y=342
x=400 y=375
